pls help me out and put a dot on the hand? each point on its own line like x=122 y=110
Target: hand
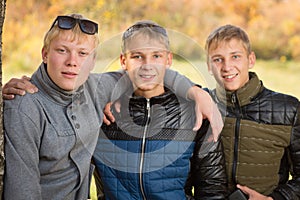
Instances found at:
x=18 y=87
x=108 y=116
x=252 y=194
x=205 y=107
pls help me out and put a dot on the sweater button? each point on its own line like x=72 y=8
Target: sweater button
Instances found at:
x=77 y=126
x=73 y=117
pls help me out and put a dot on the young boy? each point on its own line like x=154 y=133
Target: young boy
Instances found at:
x=151 y=148
x=261 y=134
x=48 y=137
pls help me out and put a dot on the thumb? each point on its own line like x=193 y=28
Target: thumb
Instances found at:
x=198 y=122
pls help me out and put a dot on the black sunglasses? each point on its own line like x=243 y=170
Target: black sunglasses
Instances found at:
x=68 y=22
x=135 y=27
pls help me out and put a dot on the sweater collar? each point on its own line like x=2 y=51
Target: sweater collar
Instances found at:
x=52 y=91
x=244 y=95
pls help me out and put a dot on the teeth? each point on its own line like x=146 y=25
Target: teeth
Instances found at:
x=230 y=76
x=146 y=76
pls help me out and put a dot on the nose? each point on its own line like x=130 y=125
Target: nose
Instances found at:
x=227 y=65
x=147 y=63
x=72 y=59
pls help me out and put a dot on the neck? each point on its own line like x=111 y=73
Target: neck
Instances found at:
x=150 y=93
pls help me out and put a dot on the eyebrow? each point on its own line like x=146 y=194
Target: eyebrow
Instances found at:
x=140 y=52
x=233 y=52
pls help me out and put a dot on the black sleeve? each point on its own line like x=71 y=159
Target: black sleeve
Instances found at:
x=208 y=175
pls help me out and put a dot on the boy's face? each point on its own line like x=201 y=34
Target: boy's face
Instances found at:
x=229 y=63
x=69 y=62
x=146 y=61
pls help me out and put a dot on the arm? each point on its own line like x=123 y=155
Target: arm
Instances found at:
x=291 y=189
x=208 y=168
x=22 y=176
x=205 y=107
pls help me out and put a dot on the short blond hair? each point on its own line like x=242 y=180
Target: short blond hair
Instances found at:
x=149 y=30
x=77 y=33
x=226 y=33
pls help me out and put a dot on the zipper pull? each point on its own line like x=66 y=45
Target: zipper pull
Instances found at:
x=233 y=98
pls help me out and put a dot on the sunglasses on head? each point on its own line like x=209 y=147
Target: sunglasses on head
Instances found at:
x=68 y=22
x=136 y=27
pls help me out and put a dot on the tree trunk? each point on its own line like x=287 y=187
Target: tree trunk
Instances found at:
x=2 y=15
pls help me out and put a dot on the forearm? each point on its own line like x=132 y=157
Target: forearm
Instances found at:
x=178 y=83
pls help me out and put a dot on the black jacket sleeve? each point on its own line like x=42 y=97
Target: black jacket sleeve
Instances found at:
x=290 y=189
x=207 y=174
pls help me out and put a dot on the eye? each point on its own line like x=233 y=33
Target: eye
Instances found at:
x=157 y=55
x=61 y=50
x=217 y=60
x=136 y=56
x=83 y=53
x=236 y=56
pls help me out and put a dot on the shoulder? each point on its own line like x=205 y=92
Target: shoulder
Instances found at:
x=29 y=105
x=114 y=75
x=21 y=102
x=107 y=79
x=279 y=98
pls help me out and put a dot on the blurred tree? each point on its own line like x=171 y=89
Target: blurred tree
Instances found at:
x=2 y=15
x=273 y=25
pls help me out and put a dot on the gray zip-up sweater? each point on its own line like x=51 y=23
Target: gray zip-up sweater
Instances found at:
x=51 y=135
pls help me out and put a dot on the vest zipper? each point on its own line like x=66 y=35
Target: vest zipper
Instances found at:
x=143 y=150
x=236 y=136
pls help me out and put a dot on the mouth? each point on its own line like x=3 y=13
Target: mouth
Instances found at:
x=231 y=76
x=69 y=74
x=147 y=77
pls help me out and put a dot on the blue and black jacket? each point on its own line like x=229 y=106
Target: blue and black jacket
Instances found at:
x=149 y=152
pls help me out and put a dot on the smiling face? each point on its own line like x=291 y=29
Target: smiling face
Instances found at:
x=146 y=60
x=69 y=59
x=229 y=62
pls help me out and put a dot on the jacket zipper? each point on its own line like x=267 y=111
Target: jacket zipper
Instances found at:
x=143 y=150
x=236 y=138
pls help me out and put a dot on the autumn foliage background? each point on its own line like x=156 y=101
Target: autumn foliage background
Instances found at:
x=273 y=27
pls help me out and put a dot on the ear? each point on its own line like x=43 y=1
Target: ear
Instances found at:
x=123 y=61
x=170 y=60
x=252 y=60
x=44 y=55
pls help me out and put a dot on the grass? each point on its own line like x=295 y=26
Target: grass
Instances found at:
x=93 y=191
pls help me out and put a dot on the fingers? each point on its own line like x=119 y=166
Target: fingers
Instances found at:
x=216 y=122
x=106 y=121
x=198 y=123
x=245 y=189
x=26 y=77
x=18 y=87
x=108 y=114
x=8 y=96
x=26 y=85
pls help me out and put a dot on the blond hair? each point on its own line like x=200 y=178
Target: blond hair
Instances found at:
x=227 y=33
x=77 y=33
x=149 y=30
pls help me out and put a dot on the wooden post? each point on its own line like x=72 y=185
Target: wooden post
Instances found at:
x=2 y=16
